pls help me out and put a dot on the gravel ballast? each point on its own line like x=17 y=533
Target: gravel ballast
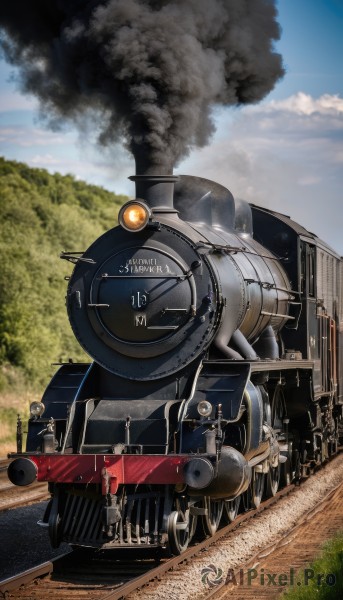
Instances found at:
x=239 y=546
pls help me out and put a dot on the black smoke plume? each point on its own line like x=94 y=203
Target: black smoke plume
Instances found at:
x=150 y=71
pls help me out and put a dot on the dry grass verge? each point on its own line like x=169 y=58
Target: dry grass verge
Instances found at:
x=12 y=404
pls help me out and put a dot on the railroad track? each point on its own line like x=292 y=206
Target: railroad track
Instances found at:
x=96 y=576
x=4 y=462
x=100 y=578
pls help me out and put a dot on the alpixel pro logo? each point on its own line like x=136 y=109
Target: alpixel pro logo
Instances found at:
x=211 y=576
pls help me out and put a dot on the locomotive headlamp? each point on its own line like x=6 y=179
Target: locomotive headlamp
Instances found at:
x=204 y=408
x=36 y=409
x=134 y=215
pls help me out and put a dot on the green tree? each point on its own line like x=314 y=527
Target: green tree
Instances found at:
x=40 y=216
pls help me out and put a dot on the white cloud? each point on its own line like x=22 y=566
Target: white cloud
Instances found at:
x=28 y=136
x=14 y=101
x=44 y=160
x=309 y=180
x=286 y=156
x=89 y=168
x=304 y=104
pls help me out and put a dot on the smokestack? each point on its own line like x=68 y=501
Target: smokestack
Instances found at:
x=155 y=184
x=157 y=191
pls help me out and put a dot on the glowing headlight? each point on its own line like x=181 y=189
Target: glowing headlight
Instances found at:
x=36 y=409
x=134 y=215
x=204 y=408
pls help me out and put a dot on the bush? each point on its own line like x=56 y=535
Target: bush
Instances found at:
x=40 y=216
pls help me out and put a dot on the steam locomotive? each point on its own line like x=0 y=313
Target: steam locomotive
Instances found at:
x=216 y=332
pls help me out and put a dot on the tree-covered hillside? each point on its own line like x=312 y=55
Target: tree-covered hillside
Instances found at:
x=42 y=215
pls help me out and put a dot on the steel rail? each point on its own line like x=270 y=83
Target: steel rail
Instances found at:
x=13 y=583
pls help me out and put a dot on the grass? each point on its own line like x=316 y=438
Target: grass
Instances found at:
x=12 y=404
x=323 y=580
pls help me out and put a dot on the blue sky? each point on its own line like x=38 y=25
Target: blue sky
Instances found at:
x=312 y=46
x=285 y=153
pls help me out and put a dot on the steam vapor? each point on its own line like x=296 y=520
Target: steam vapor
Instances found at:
x=149 y=71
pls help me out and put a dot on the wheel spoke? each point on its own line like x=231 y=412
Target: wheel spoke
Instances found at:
x=214 y=513
x=253 y=496
x=181 y=526
x=231 y=508
x=273 y=480
x=257 y=489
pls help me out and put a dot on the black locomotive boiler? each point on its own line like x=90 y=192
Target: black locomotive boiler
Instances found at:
x=215 y=329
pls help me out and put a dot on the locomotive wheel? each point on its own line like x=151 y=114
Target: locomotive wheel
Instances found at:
x=273 y=480
x=253 y=496
x=231 y=508
x=333 y=443
x=286 y=472
x=258 y=483
x=214 y=511
x=278 y=415
x=181 y=527
x=319 y=458
x=290 y=469
x=55 y=521
x=177 y=533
